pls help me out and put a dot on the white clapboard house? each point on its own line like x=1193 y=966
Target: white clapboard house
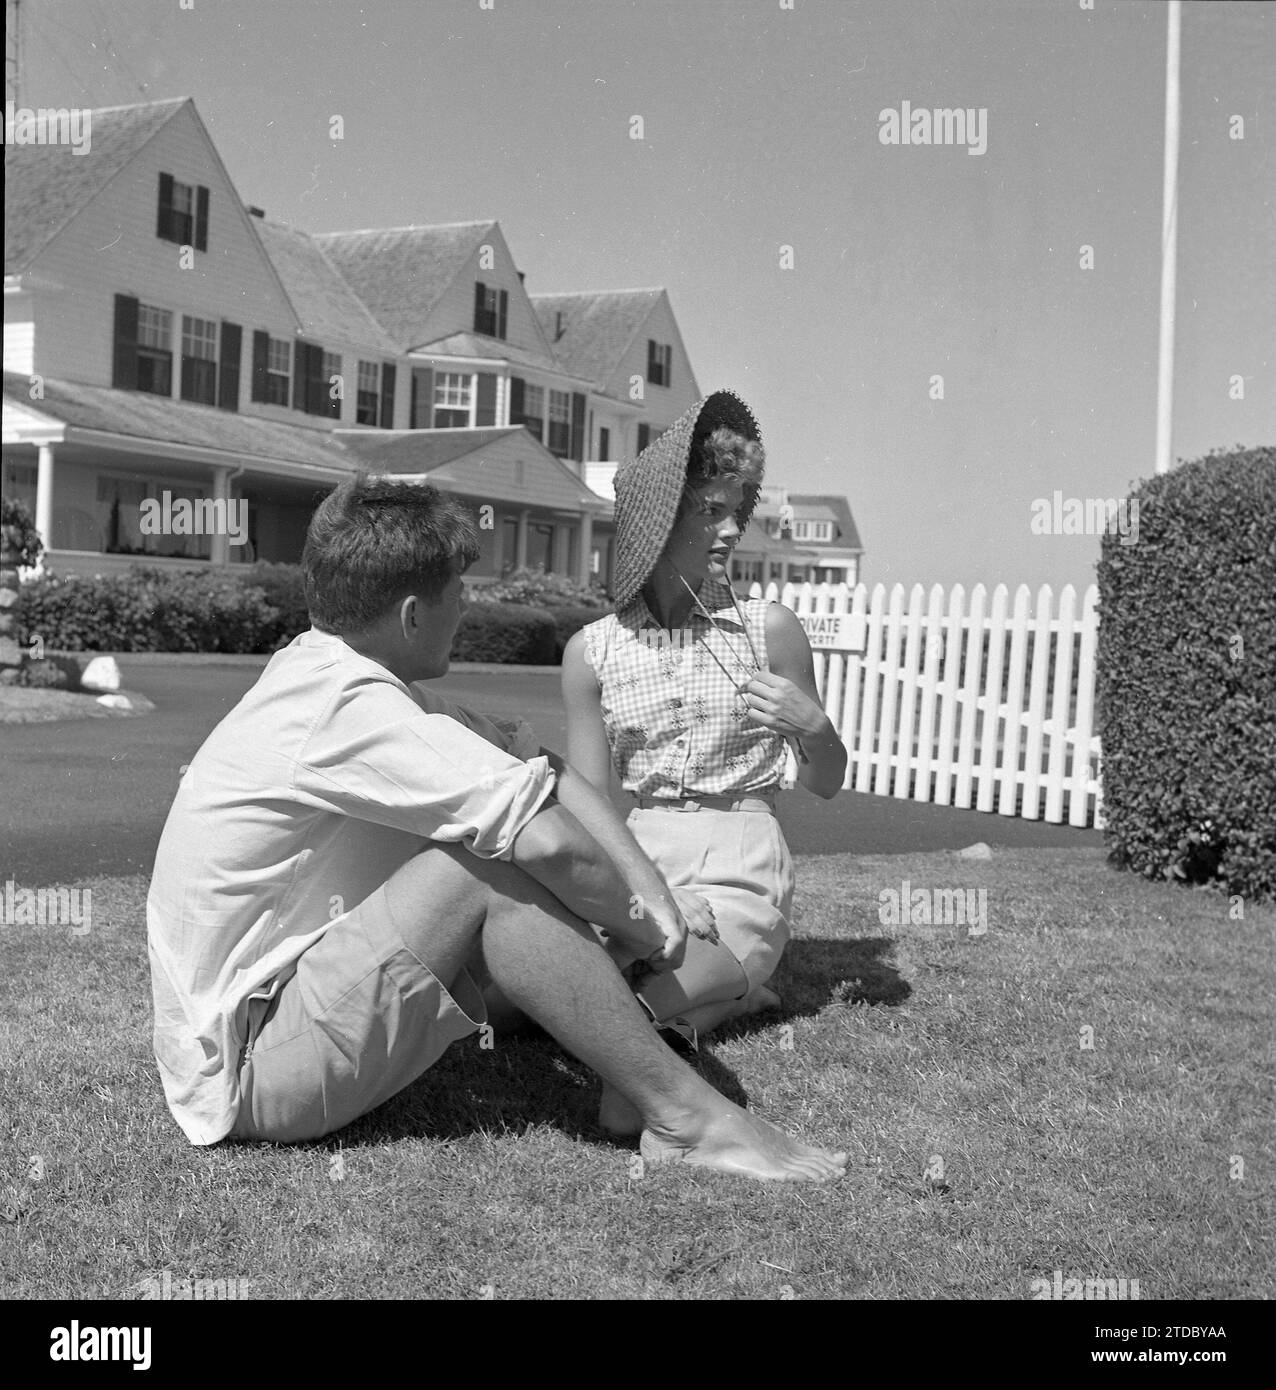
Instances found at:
x=164 y=343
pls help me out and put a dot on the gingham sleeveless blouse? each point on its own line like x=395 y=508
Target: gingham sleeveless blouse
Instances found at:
x=676 y=725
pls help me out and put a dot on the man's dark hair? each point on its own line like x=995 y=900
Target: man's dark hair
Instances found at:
x=373 y=541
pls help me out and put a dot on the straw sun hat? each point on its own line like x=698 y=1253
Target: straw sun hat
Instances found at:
x=648 y=489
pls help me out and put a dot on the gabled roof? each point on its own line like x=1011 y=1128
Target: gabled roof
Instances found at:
x=400 y=273
x=329 y=310
x=137 y=414
x=478 y=463
x=47 y=185
x=477 y=345
x=419 y=451
x=849 y=537
x=597 y=328
x=755 y=541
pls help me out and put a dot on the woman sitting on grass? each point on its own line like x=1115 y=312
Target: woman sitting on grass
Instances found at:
x=691 y=696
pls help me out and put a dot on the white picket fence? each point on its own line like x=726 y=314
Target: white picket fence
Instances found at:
x=961 y=703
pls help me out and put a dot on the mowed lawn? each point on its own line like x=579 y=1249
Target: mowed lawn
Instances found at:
x=988 y=1146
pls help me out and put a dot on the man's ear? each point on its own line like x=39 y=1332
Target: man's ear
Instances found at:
x=408 y=615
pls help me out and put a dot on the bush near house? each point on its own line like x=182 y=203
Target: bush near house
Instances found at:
x=505 y=632
x=261 y=608
x=285 y=590
x=1187 y=677
x=571 y=604
x=19 y=533
x=541 y=590
x=147 y=611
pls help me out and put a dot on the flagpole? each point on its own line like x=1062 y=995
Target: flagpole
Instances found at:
x=1169 y=243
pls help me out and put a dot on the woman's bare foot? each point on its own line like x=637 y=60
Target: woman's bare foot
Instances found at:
x=730 y=1140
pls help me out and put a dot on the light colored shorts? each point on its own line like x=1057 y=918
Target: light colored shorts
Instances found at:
x=740 y=863
x=361 y=1019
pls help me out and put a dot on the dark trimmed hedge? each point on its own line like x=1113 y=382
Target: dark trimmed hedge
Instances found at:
x=505 y=632
x=568 y=620
x=258 y=608
x=1187 y=677
x=147 y=611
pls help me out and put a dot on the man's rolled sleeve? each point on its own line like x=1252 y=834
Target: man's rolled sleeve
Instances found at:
x=427 y=774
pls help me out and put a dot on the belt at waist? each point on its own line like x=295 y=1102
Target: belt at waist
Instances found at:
x=708 y=803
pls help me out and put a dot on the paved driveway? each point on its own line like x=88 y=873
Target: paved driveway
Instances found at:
x=88 y=797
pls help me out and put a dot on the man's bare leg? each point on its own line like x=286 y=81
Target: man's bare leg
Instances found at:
x=548 y=963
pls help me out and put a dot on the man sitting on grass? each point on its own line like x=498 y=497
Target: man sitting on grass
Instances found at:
x=346 y=845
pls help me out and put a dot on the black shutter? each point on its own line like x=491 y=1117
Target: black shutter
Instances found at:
x=228 y=372
x=124 y=358
x=479 y=299
x=485 y=405
x=516 y=400
x=387 y=395
x=652 y=369
x=301 y=375
x=316 y=383
x=261 y=364
x=644 y=436
x=188 y=378
x=577 y=448
x=505 y=303
x=201 y=218
x=164 y=226
x=422 y=398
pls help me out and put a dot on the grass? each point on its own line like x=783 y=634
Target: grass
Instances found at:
x=33 y=705
x=905 y=1044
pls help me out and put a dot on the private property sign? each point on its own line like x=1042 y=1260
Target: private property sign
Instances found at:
x=834 y=632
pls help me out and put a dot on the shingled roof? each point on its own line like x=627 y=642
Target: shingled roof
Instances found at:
x=597 y=328
x=46 y=185
x=478 y=462
x=476 y=345
x=143 y=416
x=417 y=451
x=401 y=272
x=326 y=305
x=848 y=533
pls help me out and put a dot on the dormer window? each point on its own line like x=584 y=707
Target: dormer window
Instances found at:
x=183 y=213
x=490 y=308
x=812 y=530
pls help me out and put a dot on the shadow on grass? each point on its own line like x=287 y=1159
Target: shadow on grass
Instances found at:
x=522 y=1083
x=816 y=974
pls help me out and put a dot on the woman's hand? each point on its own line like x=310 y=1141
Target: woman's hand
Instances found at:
x=777 y=703
x=697 y=912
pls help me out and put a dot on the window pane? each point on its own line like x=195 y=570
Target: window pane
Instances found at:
x=452 y=391
x=154 y=326
x=199 y=338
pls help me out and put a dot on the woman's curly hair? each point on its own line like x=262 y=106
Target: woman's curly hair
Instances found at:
x=725 y=454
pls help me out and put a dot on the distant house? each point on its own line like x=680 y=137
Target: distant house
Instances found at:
x=162 y=338
x=799 y=537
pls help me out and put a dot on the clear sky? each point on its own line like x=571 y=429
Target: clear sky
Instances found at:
x=761 y=130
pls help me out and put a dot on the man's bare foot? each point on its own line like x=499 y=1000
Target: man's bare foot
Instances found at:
x=733 y=1141
x=617 y=1115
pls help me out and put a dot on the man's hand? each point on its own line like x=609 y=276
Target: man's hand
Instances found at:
x=653 y=940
